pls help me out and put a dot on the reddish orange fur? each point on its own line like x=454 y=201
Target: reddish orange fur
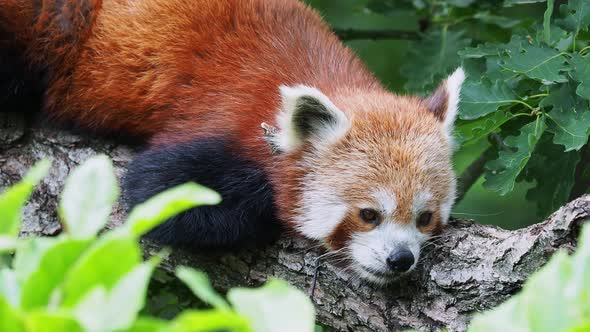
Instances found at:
x=174 y=70
x=198 y=62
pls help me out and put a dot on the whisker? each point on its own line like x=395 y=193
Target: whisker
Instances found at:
x=330 y=253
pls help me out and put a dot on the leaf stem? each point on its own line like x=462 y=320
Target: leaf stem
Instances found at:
x=584 y=49
x=521 y=114
x=523 y=103
x=547 y=21
x=538 y=96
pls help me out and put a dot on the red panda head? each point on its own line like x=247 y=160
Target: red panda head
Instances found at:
x=375 y=177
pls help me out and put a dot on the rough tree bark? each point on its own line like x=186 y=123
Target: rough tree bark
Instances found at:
x=470 y=268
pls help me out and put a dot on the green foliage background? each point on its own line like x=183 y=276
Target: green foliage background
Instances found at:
x=516 y=40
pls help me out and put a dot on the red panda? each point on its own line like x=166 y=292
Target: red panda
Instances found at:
x=364 y=171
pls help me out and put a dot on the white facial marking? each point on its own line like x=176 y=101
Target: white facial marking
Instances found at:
x=445 y=208
x=322 y=213
x=421 y=202
x=453 y=87
x=386 y=200
x=447 y=205
x=371 y=249
x=288 y=137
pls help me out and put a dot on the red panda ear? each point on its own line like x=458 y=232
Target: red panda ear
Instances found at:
x=307 y=115
x=444 y=101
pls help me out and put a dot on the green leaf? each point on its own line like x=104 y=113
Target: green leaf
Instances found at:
x=572 y=127
x=274 y=307
x=10 y=318
x=434 y=57
x=482 y=50
x=547 y=22
x=549 y=310
x=319 y=328
x=582 y=327
x=128 y=296
x=576 y=16
x=199 y=283
x=29 y=254
x=91 y=310
x=89 y=194
x=481 y=98
x=501 y=21
x=40 y=321
x=53 y=265
x=581 y=73
x=570 y=117
x=15 y=197
x=117 y=309
x=147 y=324
x=210 y=320
x=559 y=38
x=469 y=132
x=490 y=49
x=501 y=173
x=103 y=264
x=8 y=243
x=9 y=287
x=578 y=286
x=165 y=205
x=551 y=192
x=509 y=316
x=540 y=63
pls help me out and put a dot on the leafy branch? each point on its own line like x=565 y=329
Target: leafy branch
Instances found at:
x=529 y=95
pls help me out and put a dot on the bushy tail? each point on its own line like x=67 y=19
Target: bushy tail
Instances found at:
x=246 y=214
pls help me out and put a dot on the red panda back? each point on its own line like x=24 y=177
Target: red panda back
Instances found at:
x=182 y=69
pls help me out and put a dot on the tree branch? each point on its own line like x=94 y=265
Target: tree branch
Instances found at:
x=581 y=180
x=470 y=268
x=472 y=173
x=352 y=34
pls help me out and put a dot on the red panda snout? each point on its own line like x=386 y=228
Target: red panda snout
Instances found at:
x=372 y=251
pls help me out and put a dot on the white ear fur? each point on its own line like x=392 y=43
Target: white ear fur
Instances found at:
x=323 y=121
x=453 y=86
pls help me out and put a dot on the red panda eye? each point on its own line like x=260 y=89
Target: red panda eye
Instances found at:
x=370 y=216
x=424 y=219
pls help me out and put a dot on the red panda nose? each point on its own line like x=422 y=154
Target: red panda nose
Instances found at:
x=400 y=260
